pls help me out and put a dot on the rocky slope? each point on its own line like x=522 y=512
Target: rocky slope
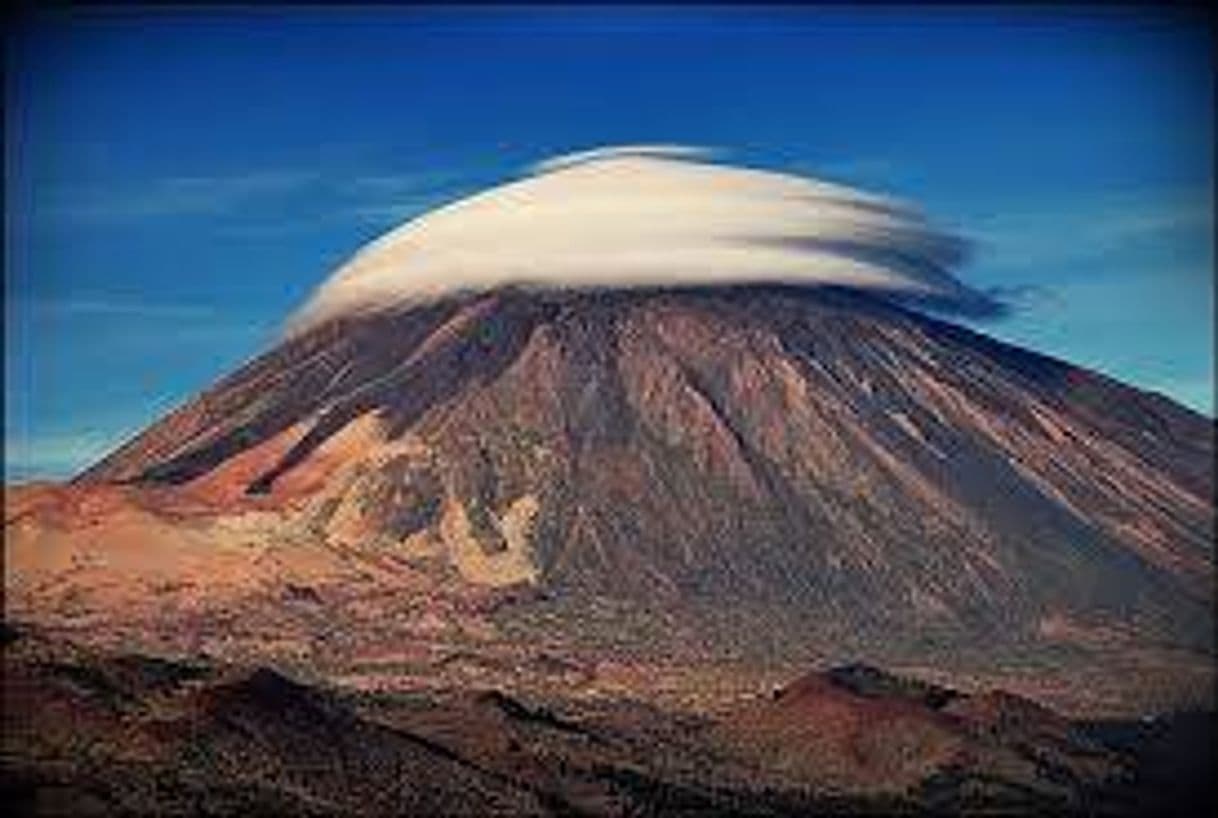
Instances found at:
x=757 y=475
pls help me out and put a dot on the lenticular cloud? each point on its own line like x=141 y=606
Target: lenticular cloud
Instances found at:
x=648 y=216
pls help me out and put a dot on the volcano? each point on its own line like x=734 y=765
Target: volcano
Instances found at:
x=822 y=454
x=574 y=483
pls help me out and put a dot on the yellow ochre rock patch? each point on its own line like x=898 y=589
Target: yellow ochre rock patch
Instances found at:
x=508 y=566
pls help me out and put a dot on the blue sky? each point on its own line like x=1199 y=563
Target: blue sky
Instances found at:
x=179 y=182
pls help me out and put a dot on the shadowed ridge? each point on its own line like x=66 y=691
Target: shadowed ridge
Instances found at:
x=399 y=364
x=471 y=347
x=871 y=682
x=264 y=397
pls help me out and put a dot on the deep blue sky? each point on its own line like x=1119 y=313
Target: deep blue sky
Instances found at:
x=178 y=183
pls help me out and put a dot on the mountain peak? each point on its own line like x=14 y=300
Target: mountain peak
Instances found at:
x=842 y=469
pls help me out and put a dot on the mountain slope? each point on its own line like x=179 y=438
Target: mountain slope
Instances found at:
x=782 y=463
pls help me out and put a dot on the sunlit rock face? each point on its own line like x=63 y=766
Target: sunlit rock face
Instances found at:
x=650 y=216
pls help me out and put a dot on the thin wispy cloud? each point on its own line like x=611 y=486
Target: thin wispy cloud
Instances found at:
x=416 y=182
x=257 y=199
x=146 y=325
x=57 y=456
x=260 y=203
x=394 y=212
x=275 y=229
x=1018 y=297
x=176 y=196
x=870 y=169
x=1088 y=229
x=102 y=306
x=391 y=198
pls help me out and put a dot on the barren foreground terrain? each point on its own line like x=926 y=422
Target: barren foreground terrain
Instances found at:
x=87 y=732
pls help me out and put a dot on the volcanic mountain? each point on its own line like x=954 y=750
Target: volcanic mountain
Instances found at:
x=577 y=479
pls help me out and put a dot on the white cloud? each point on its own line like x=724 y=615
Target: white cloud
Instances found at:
x=650 y=215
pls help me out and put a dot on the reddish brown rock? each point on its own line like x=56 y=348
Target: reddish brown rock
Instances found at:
x=761 y=473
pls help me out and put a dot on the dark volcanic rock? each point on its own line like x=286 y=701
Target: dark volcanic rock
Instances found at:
x=870 y=682
x=233 y=742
